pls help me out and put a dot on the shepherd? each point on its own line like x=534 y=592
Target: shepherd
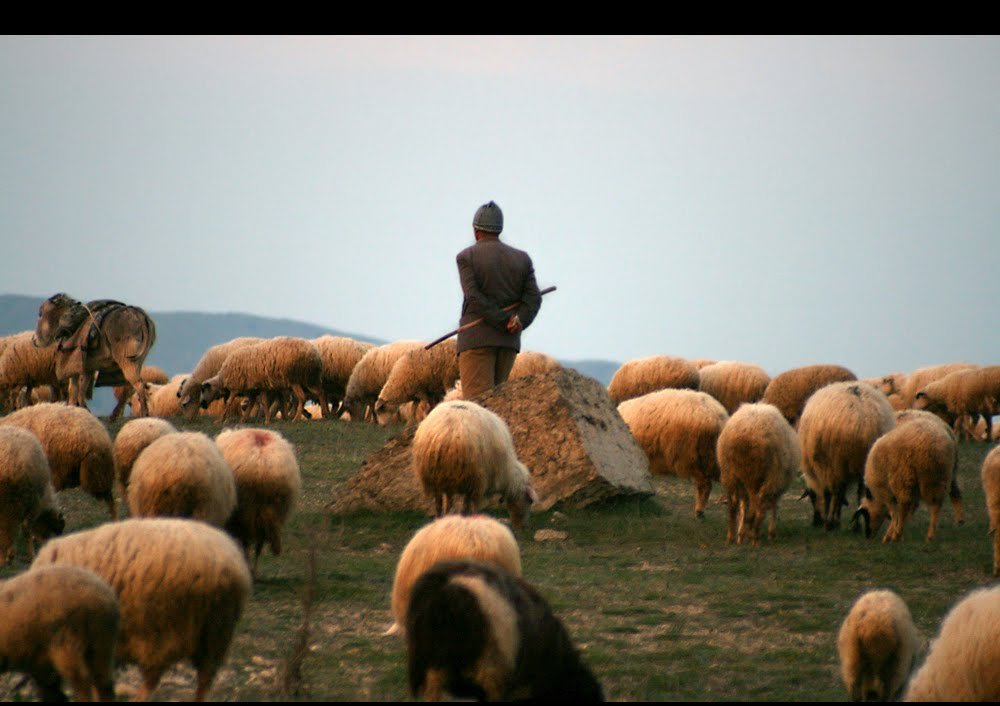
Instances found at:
x=496 y=279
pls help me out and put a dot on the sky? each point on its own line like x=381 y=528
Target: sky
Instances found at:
x=782 y=200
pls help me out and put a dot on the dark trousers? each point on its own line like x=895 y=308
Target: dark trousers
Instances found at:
x=482 y=369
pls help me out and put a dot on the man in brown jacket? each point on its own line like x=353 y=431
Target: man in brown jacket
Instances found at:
x=493 y=276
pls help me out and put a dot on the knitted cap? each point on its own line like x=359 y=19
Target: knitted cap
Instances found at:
x=488 y=218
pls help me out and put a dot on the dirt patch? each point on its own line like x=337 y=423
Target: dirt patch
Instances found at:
x=566 y=431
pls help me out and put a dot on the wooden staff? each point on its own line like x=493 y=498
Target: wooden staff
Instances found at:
x=463 y=327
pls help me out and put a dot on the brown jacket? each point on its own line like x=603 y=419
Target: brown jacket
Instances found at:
x=495 y=275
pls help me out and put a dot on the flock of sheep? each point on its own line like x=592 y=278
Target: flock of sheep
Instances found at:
x=893 y=439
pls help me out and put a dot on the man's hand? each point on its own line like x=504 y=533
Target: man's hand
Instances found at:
x=514 y=324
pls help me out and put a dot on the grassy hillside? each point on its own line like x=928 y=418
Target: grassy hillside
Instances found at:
x=661 y=607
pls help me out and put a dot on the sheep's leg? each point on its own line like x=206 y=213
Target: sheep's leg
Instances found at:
x=300 y=398
x=229 y=409
x=932 y=529
x=150 y=680
x=734 y=509
x=772 y=526
x=996 y=553
x=955 y=493
x=439 y=505
x=703 y=488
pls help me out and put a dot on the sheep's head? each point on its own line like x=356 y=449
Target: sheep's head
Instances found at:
x=519 y=502
x=871 y=514
x=817 y=520
x=49 y=523
x=211 y=390
x=386 y=412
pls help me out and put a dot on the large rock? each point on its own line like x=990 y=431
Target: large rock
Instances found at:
x=566 y=431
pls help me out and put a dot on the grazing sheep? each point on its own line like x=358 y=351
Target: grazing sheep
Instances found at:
x=963 y=663
x=27 y=499
x=25 y=367
x=181 y=586
x=369 y=376
x=183 y=474
x=921 y=377
x=915 y=461
x=759 y=455
x=61 y=623
x=420 y=376
x=838 y=426
x=990 y=475
x=268 y=484
x=134 y=436
x=877 y=644
x=789 y=391
x=162 y=399
x=640 y=376
x=733 y=382
x=269 y=367
x=452 y=537
x=474 y=630
x=962 y=395
x=208 y=365
x=149 y=374
x=463 y=449
x=533 y=363
x=340 y=354
x=678 y=430
x=77 y=445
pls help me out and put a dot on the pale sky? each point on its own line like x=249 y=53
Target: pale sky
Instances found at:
x=777 y=200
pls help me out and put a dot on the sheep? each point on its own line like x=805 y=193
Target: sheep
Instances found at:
x=678 y=430
x=370 y=374
x=700 y=363
x=271 y=366
x=124 y=393
x=474 y=630
x=733 y=382
x=162 y=398
x=464 y=449
x=640 y=376
x=208 y=365
x=27 y=499
x=61 y=623
x=921 y=377
x=839 y=424
x=790 y=390
x=23 y=366
x=961 y=395
x=915 y=461
x=420 y=376
x=77 y=446
x=451 y=537
x=182 y=474
x=134 y=436
x=990 y=476
x=962 y=663
x=340 y=354
x=877 y=645
x=268 y=485
x=533 y=363
x=181 y=586
x=759 y=455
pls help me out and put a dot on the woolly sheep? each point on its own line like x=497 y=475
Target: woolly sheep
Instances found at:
x=268 y=485
x=990 y=476
x=61 y=623
x=370 y=374
x=452 y=537
x=77 y=446
x=877 y=645
x=24 y=366
x=921 y=377
x=124 y=393
x=271 y=366
x=181 y=586
x=134 y=436
x=967 y=393
x=463 y=449
x=838 y=426
x=759 y=455
x=474 y=630
x=640 y=376
x=189 y=392
x=340 y=354
x=420 y=376
x=963 y=663
x=733 y=382
x=27 y=499
x=678 y=430
x=183 y=474
x=162 y=399
x=533 y=363
x=790 y=390
x=914 y=461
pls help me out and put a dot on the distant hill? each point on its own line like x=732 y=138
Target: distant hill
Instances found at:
x=182 y=337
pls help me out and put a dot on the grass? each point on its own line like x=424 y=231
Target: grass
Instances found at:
x=660 y=606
